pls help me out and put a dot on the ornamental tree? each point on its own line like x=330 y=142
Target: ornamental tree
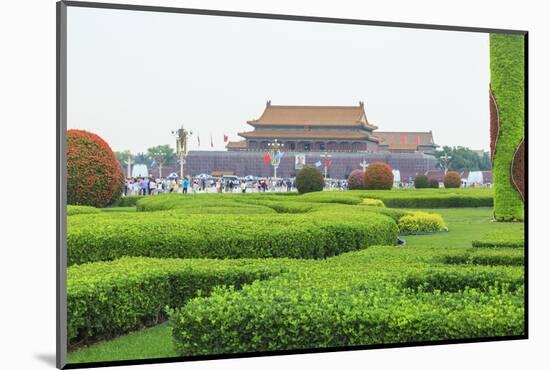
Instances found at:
x=452 y=180
x=94 y=176
x=309 y=180
x=356 y=180
x=378 y=176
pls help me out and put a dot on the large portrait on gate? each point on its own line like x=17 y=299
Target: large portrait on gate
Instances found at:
x=195 y=228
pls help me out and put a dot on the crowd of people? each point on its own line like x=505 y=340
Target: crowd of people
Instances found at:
x=153 y=186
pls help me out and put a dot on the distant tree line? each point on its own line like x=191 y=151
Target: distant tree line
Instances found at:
x=464 y=159
x=149 y=158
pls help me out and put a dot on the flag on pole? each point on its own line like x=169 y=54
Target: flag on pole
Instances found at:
x=198 y=140
x=417 y=140
x=279 y=155
x=225 y=138
x=404 y=139
x=211 y=141
x=267 y=158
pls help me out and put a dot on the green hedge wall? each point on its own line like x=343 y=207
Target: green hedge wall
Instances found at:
x=501 y=239
x=127 y=201
x=81 y=210
x=318 y=234
x=284 y=314
x=507 y=84
x=105 y=299
x=507 y=257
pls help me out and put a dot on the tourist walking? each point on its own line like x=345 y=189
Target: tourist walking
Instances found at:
x=185 y=185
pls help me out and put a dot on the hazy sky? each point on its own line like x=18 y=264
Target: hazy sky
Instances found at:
x=133 y=77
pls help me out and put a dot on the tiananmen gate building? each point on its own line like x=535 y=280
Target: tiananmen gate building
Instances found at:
x=310 y=133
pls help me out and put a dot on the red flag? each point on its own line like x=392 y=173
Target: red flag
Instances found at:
x=211 y=142
x=225 y=138
x=199 y=140
x=404 y=139
x=267 y=158
x=417 y=140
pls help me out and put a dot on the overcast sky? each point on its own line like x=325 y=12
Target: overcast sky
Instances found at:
x=133 y=77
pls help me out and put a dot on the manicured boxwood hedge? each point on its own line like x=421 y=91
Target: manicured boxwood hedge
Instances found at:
x=283 y=314
x=127 y=201
x=507 y=85
x=501 y=239
x=508 y=257
x=105 y=299
x=317 y=234
x=80 y=210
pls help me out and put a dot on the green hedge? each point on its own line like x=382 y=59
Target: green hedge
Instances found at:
x=127 y=201
x=459 y=279
x=501 y=239
x=282 y=314
x=81 y=210
x=105 y=299
x=507 y=257
x=317 y=234
x=507 y=84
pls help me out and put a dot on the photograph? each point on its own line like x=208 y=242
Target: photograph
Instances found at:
x=240 y=185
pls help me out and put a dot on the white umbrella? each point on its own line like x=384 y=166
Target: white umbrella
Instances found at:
x=173 y=175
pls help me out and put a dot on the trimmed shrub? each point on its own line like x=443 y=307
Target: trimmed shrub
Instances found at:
x=492 y=257
x=286 y=314
x=317 y=234
x=356 y=180
x=507 y=85
x=373 y=202
x=127 y=201
x=434 y=184
x=420 y=222
x=378 y=176
x=105 y=299
x=421 y=182
x=80 y=210
x=459 y=279
x=501 y=239
x=452 y=180
x=309 y=180
x=94 y=176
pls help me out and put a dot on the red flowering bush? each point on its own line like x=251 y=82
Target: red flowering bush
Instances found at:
x=94 y=176
x=356 y=180
x=452 y=180
x=378 y=176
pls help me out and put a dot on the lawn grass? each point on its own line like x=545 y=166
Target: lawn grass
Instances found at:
x=465 y=225
x=148 y=343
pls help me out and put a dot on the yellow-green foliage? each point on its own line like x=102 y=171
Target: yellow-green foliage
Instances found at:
x=507 y=84
x=373 y=202
x=421 y=222
x=80 y=210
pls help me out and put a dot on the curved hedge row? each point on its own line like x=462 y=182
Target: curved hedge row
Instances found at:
x=109 y=298
x=80 y=210
x=284 y=314
x=317 y=234
x=501 y=239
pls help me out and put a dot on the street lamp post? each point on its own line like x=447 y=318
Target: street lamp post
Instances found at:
x=275 y=155
x=364 y=165
x=129 y=161
x=446 y=162
x=326 y=162
x=181 y=135
x=160 y=158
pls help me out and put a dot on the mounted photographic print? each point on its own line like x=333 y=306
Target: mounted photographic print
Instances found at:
x=191 y=226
